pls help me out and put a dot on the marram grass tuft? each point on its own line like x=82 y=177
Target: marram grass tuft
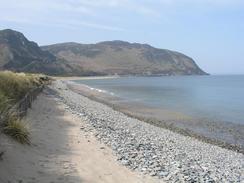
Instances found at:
x=17 y=129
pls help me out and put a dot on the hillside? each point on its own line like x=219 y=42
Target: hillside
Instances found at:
x=17 y=53
x=123 y=58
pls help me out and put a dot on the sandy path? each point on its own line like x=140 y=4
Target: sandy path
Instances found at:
x=61 y=151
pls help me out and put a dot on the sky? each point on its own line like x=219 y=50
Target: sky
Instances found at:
x=209 y=31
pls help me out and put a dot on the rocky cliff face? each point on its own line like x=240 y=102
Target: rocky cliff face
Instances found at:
x=17 y=53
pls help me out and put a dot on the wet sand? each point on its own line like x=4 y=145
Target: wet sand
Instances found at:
x=223 y=134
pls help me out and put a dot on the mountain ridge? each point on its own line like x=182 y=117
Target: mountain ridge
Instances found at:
x=113 y=55
x=17 y=53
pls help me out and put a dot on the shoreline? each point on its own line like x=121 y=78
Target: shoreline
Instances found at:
x=63 y=149
x=168 y=122
x=69 y=78
x=151 y=150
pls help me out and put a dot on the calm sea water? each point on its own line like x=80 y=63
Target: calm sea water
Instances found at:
x=218 y=98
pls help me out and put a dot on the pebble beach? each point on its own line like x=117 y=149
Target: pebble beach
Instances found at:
x=151 y=150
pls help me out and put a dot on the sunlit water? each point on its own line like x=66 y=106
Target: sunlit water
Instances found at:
x=218 y=98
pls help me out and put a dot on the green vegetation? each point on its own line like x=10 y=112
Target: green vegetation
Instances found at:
x=4 y=103
x=13 y=87
x=17 y=129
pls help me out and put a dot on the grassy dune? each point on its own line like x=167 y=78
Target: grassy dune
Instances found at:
x=13 y=87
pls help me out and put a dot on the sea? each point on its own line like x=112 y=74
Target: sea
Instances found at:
x=213 y=98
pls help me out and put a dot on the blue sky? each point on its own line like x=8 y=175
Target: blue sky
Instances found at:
x=209 y=31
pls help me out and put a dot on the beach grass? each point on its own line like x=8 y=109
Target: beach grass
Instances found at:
x=17 y=129
x=13 y=87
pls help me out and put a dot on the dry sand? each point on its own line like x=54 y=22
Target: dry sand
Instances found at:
x=60 y=151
